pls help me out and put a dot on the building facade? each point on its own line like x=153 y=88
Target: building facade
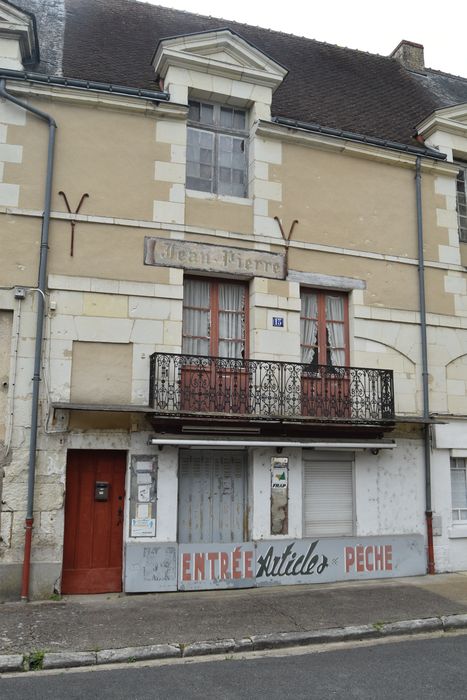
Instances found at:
x=233 y=310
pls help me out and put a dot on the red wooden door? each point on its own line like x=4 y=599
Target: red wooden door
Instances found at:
x=93 y=540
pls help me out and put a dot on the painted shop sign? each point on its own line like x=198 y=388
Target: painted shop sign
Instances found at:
x=150 y=567
x=202 y=566
x=212 y=258
x=338 y=559
x=162 y=566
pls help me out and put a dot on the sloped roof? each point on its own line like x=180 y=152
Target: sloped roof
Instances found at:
x=114 y=40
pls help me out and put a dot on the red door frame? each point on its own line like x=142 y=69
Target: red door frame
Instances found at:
x=93 y=535
x=326 y=394
x=225 y=389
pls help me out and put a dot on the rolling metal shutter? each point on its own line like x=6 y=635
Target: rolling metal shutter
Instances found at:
x=328 y=494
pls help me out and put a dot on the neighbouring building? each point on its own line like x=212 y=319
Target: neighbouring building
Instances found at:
x=233 y=305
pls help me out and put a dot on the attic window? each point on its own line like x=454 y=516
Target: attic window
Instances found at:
x=462 y=200
x=216 y=149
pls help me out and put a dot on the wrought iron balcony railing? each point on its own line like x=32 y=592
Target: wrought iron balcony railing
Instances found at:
x=263 y=389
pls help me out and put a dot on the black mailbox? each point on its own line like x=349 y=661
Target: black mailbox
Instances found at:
x=101 y=491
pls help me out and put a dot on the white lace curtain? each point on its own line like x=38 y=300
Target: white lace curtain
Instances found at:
x=309 y=327
x=333 y=346
x=335 y=330
x=197 y=319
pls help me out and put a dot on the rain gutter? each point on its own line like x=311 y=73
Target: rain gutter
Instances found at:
x=41 y=287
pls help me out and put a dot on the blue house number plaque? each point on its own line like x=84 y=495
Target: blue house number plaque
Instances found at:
x=278 y=322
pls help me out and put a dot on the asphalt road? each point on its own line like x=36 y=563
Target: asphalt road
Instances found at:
x=432 y=668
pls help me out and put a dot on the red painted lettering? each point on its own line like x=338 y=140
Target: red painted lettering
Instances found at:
x=213 y=557
x=236 y=563
x=186 y=561
x=248 y=564
x=368 y=562
x=349 y=559
x=199 y=568
x=388 y=557
x=224 y=565
x=360 y=558
x=379 y=558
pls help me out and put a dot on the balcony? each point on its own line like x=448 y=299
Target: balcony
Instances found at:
x=263 y=390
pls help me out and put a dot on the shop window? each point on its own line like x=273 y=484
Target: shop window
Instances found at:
x=328 y=495
x=462 y=201
x=324 y=329
x=459 y=489
x=216 y=149
x=215 y=318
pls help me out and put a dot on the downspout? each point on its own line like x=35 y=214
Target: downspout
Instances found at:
x=41 y=286
x=426 y=404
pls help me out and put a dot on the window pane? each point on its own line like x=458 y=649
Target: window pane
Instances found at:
x=196 y=317
x=458 y=488
x=207 y=114
x=239 y=119
x=227 y=117
x=462 y=203
x=231 y=320
x=200 y=160
x=231 y=158
x=194 y=111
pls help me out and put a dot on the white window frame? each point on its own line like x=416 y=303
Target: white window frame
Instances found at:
x=461 y=199
x=458 y=464
x=330 y=457
x=217 y=131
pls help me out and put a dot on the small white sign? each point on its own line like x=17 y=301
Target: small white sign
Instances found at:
x=143 y=478
x=144 y=493
x=143 y=527
x=143 y=511
x=279 y=473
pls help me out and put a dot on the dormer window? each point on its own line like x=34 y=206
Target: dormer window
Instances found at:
x=462 y=200
x=217 y=149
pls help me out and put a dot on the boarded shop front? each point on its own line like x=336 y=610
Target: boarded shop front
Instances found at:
x=273 y=562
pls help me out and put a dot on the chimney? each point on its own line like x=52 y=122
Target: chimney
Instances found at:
x=410 y=55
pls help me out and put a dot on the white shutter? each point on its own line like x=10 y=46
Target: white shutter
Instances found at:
x=328 y=496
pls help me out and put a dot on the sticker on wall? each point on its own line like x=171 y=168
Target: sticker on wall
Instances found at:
x=143 y=527
x=143 y=496
x=279 y=495
x=279 y=473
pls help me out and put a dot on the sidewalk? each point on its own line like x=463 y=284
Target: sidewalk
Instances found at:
x=116 y=621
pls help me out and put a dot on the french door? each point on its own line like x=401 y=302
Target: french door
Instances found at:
x=325 y=354
x=215 y=332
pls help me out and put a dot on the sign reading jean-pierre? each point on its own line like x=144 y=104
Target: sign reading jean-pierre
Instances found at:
x=212 y=258
x=268 y=563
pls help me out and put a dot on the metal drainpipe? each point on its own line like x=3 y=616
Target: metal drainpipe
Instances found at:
x=426 y=404
x=39 y=334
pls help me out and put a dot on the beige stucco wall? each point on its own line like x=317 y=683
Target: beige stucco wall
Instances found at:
x=345 y=201
x=219 y=214
x=108 y=154
x=101 y=372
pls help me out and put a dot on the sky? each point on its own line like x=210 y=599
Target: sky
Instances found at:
x=373 y=26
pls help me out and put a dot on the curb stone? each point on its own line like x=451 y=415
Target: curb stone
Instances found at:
x=428 y=624
x=454 y=621
x=154 y=651
x=217 y=646
x=69 y=659
x=288 y=639
x=11 y=662
x=74 y=659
